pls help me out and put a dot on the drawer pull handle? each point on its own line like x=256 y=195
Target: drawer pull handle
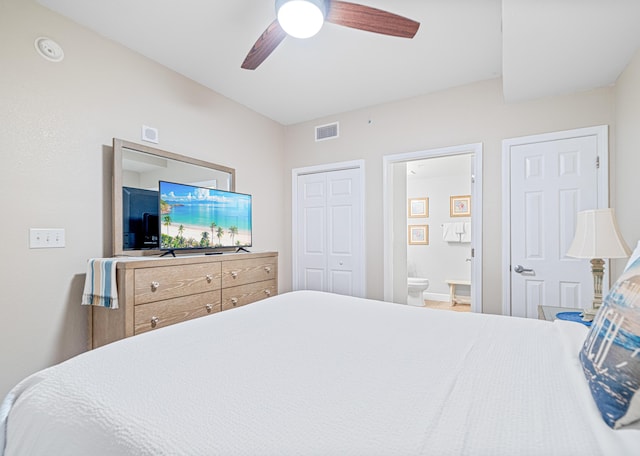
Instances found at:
x=234 y=274
x=155 y=286
x=154 y=321
x=209 y=308
x=267 y=269
x=209 y=278
x=234 y=301
x=267 y=292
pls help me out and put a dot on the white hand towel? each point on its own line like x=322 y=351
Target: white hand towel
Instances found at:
x=449 y=234
x=466 y=236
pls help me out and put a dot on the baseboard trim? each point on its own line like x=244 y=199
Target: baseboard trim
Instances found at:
x=436 y=297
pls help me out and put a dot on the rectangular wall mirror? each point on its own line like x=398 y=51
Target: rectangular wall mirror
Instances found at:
x=137 y=169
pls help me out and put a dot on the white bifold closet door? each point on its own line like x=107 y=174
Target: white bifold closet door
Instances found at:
x=329 y=232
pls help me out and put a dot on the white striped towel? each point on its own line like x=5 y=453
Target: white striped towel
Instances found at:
x=100 y=288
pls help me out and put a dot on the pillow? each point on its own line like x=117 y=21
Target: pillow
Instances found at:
x=610 y=356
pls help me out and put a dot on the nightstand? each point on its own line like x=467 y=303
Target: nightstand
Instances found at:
x=550 y=313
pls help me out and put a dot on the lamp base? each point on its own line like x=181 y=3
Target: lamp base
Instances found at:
x=588 y=314
x=597 y=269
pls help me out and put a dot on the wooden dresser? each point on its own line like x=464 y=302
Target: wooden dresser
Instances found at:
x=157 y=292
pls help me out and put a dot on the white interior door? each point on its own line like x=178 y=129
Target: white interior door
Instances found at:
x=551 y=179
x=329 y=232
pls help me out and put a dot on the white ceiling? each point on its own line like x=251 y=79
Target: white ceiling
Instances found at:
x=539 y=47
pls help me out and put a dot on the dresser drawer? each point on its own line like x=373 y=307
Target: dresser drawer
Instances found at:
x=240 y=272
x=159 y=283
x=245 y=294
x=164 y=313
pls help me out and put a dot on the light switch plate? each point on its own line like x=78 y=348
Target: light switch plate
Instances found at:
x=46 y=238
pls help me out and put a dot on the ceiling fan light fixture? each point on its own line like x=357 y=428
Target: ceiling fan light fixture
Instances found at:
x=301 y=18
x=304 y=18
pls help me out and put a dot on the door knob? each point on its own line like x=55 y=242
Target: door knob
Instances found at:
x=519 y=269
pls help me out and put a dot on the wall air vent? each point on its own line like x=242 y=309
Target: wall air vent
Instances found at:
x=329 y=131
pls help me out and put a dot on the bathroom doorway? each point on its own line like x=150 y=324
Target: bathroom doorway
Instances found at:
x=433 y=227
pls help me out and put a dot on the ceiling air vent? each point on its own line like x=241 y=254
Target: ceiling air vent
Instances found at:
x=329 y=131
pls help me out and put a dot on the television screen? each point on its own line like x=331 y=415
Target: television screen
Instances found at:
x=139 y=219
x=198 y=217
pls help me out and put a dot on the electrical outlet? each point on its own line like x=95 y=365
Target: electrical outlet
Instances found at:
x=46 y=238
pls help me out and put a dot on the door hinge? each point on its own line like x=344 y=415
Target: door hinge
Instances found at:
x=473 y=178
x=598 y=162
x=473 y=253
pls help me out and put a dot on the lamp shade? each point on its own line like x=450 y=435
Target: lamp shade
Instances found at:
x=598 y=236
x=301 y=18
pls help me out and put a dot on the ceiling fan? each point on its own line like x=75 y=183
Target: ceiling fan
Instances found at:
x=304 y=18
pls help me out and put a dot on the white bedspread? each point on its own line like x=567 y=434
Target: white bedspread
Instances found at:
x=309 y=373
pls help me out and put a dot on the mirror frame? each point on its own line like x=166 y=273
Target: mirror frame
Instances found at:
x=118 y=146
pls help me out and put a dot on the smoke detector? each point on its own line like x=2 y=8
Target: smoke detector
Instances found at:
x=49 y=49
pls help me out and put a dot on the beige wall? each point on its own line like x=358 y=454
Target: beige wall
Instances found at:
x=470 y=114
x=57 y=122
x=626 y=156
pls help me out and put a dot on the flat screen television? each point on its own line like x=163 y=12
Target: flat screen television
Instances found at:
x=140 y=219
x=193 y=217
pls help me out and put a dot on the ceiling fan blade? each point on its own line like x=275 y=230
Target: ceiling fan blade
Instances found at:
x=264 y=46
x=371 y=19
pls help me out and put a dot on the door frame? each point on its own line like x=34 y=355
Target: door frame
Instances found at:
x=324 y=168
x=601 y=133
x=476 y=214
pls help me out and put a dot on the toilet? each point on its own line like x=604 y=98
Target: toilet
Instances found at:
x=416 y=286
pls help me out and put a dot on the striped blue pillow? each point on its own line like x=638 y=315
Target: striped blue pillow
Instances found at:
x=610 y=356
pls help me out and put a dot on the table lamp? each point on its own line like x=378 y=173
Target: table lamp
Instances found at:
x=597 y=237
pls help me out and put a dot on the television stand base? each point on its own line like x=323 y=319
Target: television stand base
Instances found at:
x=169 y=252
x=242 y=249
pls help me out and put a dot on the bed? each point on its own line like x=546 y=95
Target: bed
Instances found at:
x=311 y=373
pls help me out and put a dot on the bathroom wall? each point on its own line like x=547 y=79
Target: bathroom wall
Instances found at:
x=438 y=179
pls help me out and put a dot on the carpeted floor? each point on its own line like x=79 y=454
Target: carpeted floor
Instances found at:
x=446 y=306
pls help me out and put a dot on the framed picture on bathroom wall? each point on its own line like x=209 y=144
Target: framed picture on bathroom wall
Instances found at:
x=418 y=207
x=460 y=206
x=419 y=234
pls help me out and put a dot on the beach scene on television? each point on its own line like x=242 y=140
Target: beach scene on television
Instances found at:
x=198 y=217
